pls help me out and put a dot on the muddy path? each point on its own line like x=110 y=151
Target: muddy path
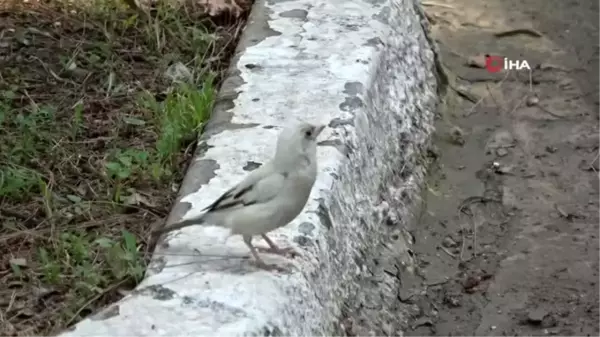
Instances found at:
x=508 y=244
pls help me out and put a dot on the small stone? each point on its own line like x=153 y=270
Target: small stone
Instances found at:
x=532 y=101
x=508 y=169
x=501 y=152
x=448 y=242
x=251 y=166
x=423 y=321
x=476 y=61
x=536 y=316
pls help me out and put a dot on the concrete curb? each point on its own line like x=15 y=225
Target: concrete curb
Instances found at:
x=366 y=68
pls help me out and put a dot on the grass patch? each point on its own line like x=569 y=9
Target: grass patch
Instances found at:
x=100 y=108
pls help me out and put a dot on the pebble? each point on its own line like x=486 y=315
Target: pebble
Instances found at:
x=532 y=101
x=536 y=316
x=448 y=242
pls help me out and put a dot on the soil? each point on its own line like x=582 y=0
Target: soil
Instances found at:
x=74 y=236
x=508 y=244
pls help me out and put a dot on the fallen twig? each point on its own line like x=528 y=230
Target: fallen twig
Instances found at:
x=523 y=99
x=445 y=250
x=462 y=245
x=436 y=4
x=592 y=163
x=471 y=200
x=551 y=113
x=512 y=32
x=438 y=283
x=465 y=94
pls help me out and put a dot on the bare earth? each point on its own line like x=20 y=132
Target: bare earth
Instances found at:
x=508 y=244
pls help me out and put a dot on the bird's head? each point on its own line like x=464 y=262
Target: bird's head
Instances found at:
x=298 y=142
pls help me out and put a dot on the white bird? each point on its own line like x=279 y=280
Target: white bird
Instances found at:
x=270 y=196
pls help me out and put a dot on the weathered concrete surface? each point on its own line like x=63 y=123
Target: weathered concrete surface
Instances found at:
x=364 y=67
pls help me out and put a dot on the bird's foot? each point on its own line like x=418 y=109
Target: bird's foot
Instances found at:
x=287 y=252
x=274 y=249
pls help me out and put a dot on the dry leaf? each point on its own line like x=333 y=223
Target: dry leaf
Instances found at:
x=221 y=7
x=136 y=199
x=19 y=261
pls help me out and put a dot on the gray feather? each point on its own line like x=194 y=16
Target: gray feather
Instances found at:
x=258 y=187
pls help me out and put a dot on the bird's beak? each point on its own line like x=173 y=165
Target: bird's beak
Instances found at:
x=319 y=129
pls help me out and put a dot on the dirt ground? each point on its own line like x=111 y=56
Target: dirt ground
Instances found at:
x=508 y=244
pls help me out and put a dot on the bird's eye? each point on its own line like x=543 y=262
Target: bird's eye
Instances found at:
x=308 y=132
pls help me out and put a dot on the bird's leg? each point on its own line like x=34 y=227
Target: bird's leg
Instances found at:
x=276 y=250
x=258 y=261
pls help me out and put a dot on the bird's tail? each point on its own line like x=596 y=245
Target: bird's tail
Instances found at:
x=178 y=225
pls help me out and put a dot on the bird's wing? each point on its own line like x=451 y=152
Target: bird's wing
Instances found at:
x=259 y=188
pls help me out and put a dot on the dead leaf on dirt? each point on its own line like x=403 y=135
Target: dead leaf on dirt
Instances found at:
x=19 y=261
x=41 y=292
x=74 y=198
x=137 y=199
x=222 y=7
x=178 y=72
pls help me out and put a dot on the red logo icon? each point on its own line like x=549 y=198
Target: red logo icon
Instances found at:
x=494 y=64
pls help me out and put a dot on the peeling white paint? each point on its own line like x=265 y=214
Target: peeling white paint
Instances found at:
x=300 y=74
